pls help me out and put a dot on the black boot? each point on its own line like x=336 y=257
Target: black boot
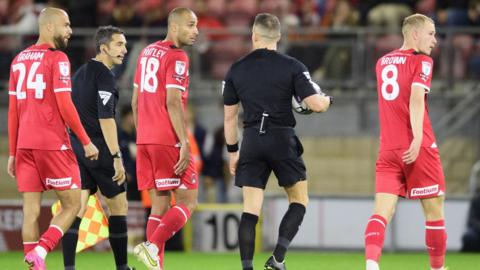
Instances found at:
x=272 y=264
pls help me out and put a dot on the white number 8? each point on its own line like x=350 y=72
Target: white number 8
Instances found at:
x=148 y=73
x=392 y=81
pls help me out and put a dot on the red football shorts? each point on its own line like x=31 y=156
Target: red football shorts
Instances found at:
x=41 y=170
x=420 y=180
x=155 y=168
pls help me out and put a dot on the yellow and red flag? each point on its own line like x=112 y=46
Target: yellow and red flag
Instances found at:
x=94 y=225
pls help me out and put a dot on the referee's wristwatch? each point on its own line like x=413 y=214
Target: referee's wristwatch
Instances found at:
x=117 y=155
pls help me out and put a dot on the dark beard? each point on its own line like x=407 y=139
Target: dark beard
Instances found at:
x=60 y=43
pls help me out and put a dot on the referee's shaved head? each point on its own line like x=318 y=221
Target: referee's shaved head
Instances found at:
x=267 y=26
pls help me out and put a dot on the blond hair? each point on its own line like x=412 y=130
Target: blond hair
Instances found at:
x=414 y=21
x=267 y=26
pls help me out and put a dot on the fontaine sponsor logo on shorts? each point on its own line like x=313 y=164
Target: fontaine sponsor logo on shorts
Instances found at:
x=167 y=182
x=424 y=191
x=59 y=182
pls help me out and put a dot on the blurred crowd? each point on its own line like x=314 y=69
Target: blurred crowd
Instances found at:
x=226 y=13
x=319 y=32
x=328 y=55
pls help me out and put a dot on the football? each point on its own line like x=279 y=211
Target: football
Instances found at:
x=299 y=106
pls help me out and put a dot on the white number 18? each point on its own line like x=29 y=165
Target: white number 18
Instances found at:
x=148 y=79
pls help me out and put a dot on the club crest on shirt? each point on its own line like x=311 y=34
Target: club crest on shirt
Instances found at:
x=64 y=68
x=426 y=67
x=180 y=67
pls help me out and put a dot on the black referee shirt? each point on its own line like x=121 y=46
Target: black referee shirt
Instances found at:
x=265 y=81
x=95 y=95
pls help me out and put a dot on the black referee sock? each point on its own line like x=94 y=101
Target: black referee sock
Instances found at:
x=69 y=244
x=288 y=229
x=117 y=226
x=246 y=239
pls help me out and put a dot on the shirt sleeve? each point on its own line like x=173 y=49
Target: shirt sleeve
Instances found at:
x=12 y=116
x=12 y=88
x=229 y=93
x=105 y=82
x=303 y=84
x=422 y=73
x=136 y=77
x=61 y=73
x=176 y=75
x=70 y=116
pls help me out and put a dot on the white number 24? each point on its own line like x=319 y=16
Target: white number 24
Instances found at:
x=38 y=85
x=390 y=80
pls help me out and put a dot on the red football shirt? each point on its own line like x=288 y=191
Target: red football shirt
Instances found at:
x=160 y=65
x=36 y=74
x=396 y=72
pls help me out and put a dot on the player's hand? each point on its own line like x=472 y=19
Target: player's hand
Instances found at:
x=91 y=151
x=233 y=162
x=119 y=176
x=411 y=154
x=11 y=166
x=183 y=160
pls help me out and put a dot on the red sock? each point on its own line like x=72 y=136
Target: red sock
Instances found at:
x=152 y=225
x=172 y=222
x=374 y=237
x=50 y=238
x=436 y=241
x=27 y=246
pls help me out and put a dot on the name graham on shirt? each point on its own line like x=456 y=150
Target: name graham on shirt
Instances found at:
x=35 y=56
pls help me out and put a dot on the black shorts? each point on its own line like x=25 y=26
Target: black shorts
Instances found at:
x=279 y=150
x=97 y=174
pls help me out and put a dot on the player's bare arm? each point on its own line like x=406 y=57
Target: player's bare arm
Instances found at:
x=417 y=112
x=318 y=102
x=177 y=118
x=231 y=136
x=135 y=105
x=109 y=130
x=12 y=134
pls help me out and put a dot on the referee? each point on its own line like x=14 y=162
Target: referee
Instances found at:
x=264 y=82
x=95 y=96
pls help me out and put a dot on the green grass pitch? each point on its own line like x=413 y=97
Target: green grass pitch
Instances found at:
x=230 y=261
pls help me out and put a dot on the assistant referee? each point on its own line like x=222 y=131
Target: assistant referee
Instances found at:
x=264 y=82
x=95 y=96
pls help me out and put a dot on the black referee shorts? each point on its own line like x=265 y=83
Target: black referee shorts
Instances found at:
x=279 y=150
x=97 y=174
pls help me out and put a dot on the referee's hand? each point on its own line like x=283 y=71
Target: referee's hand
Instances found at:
x=91 y=151
x=232 y=162
x=119 y=176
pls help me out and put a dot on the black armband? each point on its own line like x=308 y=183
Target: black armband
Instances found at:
x=232 y=148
